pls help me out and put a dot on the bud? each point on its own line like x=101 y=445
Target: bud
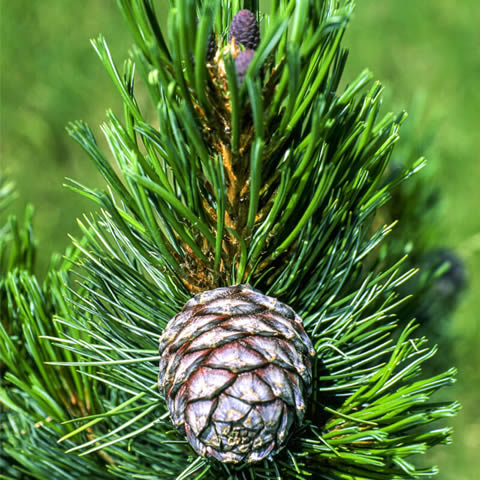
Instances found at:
x=211 y=47
x=241 y=65
x=245 y=30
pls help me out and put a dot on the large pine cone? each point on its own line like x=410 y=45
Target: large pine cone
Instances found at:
x=234 y=370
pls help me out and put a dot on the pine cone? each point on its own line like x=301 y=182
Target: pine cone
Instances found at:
x=211 y=48
x=244 y=28
x=234 y=370
x=453 y=280
x=241 y=65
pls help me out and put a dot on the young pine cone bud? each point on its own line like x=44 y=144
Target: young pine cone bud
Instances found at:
x=244 y=28
x=234 y=369
x=446 y=289
x=211 y=47
x=241 y=65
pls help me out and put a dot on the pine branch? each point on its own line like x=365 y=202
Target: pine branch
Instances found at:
x=35 y=399
x=276 y=180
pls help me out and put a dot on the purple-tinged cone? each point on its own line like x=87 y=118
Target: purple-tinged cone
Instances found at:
x=241 y=65
x=244 y=28
x=235 y=369
x=211 y=47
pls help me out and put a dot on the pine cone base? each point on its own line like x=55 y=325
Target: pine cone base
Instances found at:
x=235 y=369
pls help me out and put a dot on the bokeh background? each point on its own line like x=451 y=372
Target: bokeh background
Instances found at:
x=50 y=75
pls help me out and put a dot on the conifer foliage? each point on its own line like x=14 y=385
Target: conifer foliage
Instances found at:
x=250 y=169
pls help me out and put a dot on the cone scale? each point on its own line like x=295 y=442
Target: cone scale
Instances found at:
x=235 y=370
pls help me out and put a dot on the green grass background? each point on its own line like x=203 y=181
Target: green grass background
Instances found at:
x=50 y=75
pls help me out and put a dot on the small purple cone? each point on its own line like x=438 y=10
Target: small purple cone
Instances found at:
x=241 y=65
x=211 y=48
x=245 y=29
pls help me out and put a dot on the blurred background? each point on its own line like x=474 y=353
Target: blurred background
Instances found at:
x=51 y=75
